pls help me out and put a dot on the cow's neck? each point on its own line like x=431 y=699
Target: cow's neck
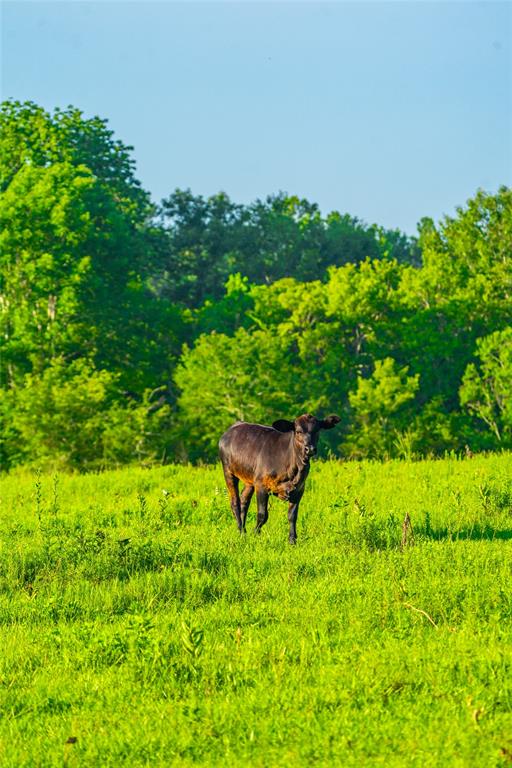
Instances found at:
x=299 y=465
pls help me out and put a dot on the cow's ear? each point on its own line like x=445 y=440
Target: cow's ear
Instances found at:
x=330 y=422
x=283 y=425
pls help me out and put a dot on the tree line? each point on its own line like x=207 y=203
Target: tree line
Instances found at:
x=138 y=332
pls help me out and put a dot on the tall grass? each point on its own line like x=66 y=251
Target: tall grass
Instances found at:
x=137 y=627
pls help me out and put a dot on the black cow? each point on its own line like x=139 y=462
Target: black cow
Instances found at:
x=270 y=460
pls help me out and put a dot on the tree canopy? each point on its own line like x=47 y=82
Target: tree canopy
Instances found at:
x=138 y=332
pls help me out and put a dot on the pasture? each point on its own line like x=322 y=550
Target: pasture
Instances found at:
x=138 y=627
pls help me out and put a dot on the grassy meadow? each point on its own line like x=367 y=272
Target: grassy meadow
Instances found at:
x=137 y=627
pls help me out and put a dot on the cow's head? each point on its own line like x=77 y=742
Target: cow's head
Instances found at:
x=306 y=431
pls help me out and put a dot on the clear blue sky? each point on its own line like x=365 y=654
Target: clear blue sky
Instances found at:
x=388 y=111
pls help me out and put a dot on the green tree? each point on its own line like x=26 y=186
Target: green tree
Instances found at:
x=223 y=379
x=76 y=261
x=381 y=406
x=468 y=259
x=268 y=240
x=70 y=416
x=463 y=292
x=486 y=389
x=230 y=312
x=284 y=310
x=31 y=136
x=71 y=283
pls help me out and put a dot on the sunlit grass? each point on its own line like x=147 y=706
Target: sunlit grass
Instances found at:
x=138 y=627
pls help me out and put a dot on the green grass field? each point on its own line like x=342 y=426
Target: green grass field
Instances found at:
x=138 y=627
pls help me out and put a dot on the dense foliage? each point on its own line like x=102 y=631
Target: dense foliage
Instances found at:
x=136 y=332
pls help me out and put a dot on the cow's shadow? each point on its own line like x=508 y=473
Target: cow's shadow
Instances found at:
x=472 y=533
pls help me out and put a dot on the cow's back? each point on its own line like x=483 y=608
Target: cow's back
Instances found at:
x=251 y=450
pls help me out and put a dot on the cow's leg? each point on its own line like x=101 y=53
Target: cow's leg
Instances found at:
x=293 y=511
x=262 y=516
x=245 y=500
x=234 y=497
